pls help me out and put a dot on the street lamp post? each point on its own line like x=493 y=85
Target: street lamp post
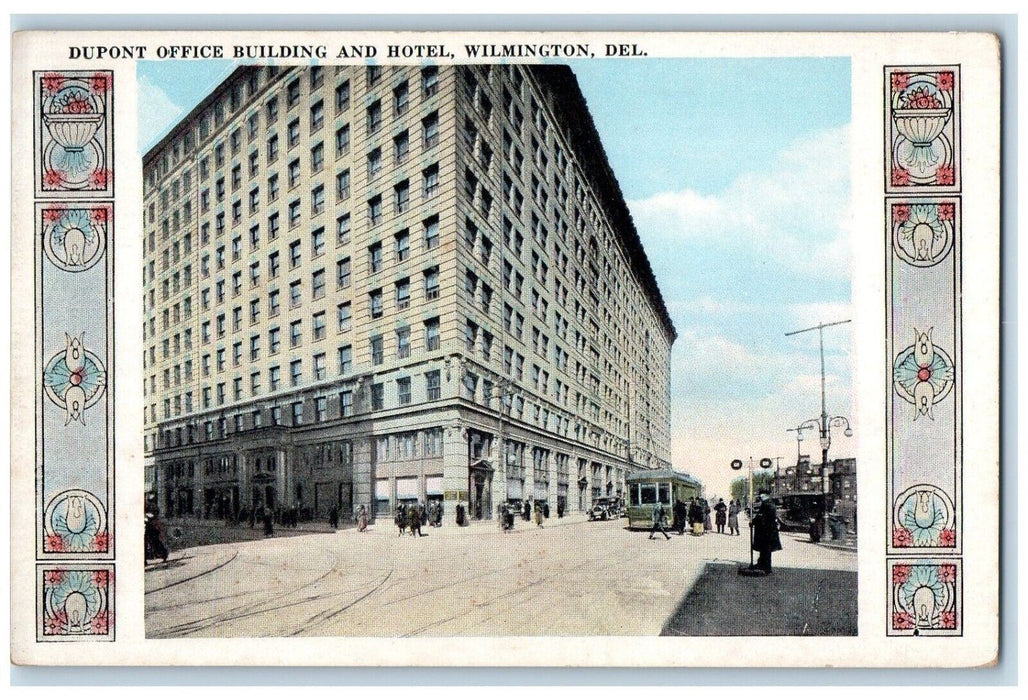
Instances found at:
x=825 y=423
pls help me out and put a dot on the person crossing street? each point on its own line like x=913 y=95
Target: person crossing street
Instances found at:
x=658 y=522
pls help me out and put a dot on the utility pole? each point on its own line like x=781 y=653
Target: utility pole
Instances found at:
x=825 y=422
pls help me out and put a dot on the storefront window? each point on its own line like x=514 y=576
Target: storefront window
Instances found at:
x=648 y=494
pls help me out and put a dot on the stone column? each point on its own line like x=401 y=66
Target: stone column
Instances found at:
x=363 y=474
x=455 y=471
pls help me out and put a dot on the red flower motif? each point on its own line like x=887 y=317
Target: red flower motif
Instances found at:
x=945 y=81
x=947 y=211
x=98 y=179
x=55 y=624
x=947 y=573
x=98 y=83
x=52 y=82
x=902 y=621
x=53 y=179
x=899 y=81
x=99 y=215
x=53 y=577
x=900 y=212
x=54 y=543
x=900 y=573
x=921 y=98
x=901 y=537
x=101 y=578
x=100 y=542
x=948 y=538
x=78 y=105
x=945 y=175
x=53 y=214
x=948 y=620
x=900 y=177
x=99 y=623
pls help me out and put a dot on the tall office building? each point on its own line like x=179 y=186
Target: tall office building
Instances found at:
x=376 y=285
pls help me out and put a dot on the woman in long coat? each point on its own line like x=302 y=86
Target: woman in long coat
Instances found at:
x=765 y=533
x=733 y=517
x=362 y=519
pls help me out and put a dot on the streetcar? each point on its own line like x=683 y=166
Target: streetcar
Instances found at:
x=648 y=487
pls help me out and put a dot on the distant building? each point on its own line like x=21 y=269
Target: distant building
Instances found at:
x=805 y=477
x=377 y=285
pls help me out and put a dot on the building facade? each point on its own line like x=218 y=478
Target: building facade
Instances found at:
x=378 y=285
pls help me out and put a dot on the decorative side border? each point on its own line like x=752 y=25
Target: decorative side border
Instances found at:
x=73 y=135
x=73 y=179
x=924 y=334
x=925 y=597
x=74 y=603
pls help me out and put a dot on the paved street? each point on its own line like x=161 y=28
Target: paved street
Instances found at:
x=571 y=577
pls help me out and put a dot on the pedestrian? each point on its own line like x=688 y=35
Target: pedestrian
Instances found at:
x=720 y=515
x=560 y=507
x=253 y=516
x=681 y=515
x=362 y=518
x=333 y=517
x=658 y=522
x=510 y=517
x=707 y=527
x=733 y=517
x=460 y=514
x=538 y=514
x=423 y=515
x=546 y=510
x=414 y=520
x=765 y=532
x=526 y=512
x=153 y=538
x=269 y=522
x=400 y=518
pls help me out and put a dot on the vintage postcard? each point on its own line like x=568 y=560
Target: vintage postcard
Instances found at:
x=505 y=349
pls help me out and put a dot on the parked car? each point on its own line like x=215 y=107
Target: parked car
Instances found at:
x=603 y=509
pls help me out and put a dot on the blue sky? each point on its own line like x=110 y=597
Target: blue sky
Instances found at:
x=736 y=172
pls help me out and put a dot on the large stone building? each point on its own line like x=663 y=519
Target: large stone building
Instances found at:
x=376 y=285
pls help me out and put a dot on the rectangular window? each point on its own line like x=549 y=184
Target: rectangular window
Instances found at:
x=377 y=397
x=429 y=81
x=432 y=283
x=297 y=408
x=318 y=283
x=374 y=116
x=403 y=343
x=377 y=350
x=401 y=98
x=295 y=372
x=402 y=196
x=432 y=334
x=346 y=404
x=343 y=96
x=430 y=129
x=375 y=303
x=403 y=395
x=343 y=184
x=342 y=139
x=344 y=316
x=433 y=385
x=403 y=294
x=345 y=359
x=343 y=272
x=430 y=180
x=317 y=115
x=319 y=366
x=343 y=229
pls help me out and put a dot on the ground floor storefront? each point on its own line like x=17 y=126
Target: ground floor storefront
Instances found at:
x=462 y=458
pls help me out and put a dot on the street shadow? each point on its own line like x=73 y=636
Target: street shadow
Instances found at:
x=789 y=602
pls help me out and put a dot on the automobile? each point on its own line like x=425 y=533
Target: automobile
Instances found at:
x=603 y=509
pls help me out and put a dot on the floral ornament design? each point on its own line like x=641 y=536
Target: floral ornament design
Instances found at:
x=923 y=374
x=922 y=109
x=924 y=596
x=924 y=515
x=75 y=603
x=73 y=110
x=75 y=522
x=75 y=238
x=74 y=379
x=923 y=234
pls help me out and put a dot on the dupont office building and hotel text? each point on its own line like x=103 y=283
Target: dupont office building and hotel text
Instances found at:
x=381 y=285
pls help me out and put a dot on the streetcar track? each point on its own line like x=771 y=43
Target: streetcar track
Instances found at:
x=323 y=617
x=247 y=610
x=195 y=576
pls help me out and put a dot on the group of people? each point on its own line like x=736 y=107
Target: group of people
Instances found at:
x=696 y=513
x=414 y=516
x=509 y=511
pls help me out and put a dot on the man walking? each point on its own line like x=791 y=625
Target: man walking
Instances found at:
x=658 y=522
x=720 y=515
x=733 y=518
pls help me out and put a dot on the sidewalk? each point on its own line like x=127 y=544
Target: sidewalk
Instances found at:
x=789 y=602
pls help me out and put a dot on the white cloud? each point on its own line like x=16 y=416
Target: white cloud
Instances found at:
x=157 y=112
x=796 y=212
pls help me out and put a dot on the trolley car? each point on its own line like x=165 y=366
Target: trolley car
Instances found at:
x=648 y=487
